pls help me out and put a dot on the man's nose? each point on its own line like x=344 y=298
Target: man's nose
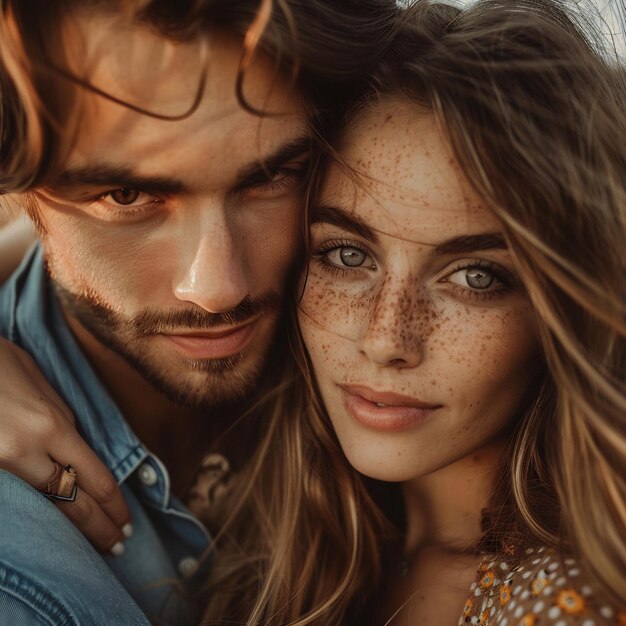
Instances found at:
x=394 y=335
x=212 y=273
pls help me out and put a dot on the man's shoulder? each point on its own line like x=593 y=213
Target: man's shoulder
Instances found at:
x=11 y=289
x=49 y=571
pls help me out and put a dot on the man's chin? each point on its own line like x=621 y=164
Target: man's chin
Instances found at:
x=206 y=384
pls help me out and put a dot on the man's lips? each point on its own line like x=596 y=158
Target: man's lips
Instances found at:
x=212 y=344
x=385 y=410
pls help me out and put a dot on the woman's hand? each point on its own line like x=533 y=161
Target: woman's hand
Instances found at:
x=37 y=429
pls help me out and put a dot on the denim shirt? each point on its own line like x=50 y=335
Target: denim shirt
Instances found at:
x=49 y=573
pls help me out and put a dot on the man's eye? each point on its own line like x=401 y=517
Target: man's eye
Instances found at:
x=282 y=179
x=127 y=197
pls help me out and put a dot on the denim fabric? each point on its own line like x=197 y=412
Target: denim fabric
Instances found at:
x=167 y=541
x=49 y=573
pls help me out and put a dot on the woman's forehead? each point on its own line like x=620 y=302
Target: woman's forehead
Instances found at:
x=402 y=178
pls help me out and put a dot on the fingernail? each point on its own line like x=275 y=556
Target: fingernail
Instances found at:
x=118 y=549
x=127 y=530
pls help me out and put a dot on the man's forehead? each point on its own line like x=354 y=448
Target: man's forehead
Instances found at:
x=218 y=139
x=138 y=65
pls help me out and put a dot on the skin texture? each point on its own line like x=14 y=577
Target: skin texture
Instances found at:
x=405 y=319
x=137 y=260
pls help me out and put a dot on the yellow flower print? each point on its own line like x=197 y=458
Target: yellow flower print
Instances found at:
x=570 y=602
x=538 y=585
x=505 y=594
x=486 y=580
x=468 y=607
x=528 y=620
x=484 y=616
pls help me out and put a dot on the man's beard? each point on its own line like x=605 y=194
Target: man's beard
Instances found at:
x=207 y=383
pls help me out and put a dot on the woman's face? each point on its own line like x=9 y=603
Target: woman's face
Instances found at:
x=421 y=336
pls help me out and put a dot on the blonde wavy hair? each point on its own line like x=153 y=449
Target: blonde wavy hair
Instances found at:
x=533 y=111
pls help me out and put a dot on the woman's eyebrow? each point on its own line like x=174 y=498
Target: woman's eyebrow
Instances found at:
x=472 y=243
x=343 y=219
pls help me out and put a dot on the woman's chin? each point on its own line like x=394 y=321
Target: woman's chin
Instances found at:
x=379 y=466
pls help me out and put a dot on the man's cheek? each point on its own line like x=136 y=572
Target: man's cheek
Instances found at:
x=126 y=280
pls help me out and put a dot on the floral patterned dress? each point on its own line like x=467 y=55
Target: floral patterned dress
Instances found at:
x=542 y=590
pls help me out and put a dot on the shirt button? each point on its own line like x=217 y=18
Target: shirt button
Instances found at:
x=148 y=475
x=188 y=566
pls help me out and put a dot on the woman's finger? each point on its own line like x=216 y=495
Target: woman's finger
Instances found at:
x=93 y=478
x=87 y=515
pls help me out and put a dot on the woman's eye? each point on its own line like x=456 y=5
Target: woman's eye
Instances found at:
x=349 y=256
x=479 y=278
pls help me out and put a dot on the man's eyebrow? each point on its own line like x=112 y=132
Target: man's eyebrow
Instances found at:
x=472 y=243
x=260 y=169
x=343 y=219
x=115 y=177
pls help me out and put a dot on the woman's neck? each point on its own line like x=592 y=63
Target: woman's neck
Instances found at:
x=444 y=508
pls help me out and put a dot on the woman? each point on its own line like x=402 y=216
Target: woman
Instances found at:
x=464 y=320
x=463 y=317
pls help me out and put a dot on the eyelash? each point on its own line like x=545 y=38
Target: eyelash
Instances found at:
x=115 y=211
x=335 y=270
x=270 y=185
x=505 y=279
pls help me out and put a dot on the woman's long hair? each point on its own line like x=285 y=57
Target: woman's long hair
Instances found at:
x=534 y=113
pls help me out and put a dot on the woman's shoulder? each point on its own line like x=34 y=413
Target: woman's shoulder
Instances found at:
x=542 y=589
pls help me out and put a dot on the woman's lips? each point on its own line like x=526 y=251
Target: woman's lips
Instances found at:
x=384 y=410
x=213 y=344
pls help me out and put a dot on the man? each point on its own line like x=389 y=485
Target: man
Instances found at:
x=161 y=154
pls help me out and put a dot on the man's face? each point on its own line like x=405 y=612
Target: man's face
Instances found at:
x=170 y=241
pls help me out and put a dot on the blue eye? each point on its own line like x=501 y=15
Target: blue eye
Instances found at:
x=352 y=257
x=478 y=278
x=345 y=255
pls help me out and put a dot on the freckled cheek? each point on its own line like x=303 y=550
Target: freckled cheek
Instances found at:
x=332 y=357
x=485 y=355
x=339 y=308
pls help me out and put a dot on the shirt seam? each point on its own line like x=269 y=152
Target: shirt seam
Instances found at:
x=34 y=596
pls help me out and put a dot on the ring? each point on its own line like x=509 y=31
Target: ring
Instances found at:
x=61 y=484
